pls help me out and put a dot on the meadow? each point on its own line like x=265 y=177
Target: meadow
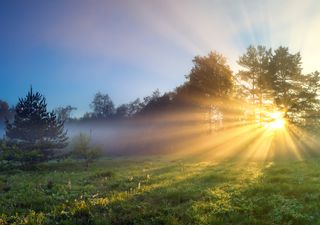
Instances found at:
x=163 y=190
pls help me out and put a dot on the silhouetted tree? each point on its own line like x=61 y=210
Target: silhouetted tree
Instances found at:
x=5 y=111
x=210 y=76
x=102 y=105
x=122 y=111
x=87 y=116
x=305 y=106
x=36 y=132
x=153 y=97
x=285 y=72
x=210 y=83
x=134 y=107
x=152 y=104
x=277 y=77
x=294 y=93
x=64 y=113
x=256 y=62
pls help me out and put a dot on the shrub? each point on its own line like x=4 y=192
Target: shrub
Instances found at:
x=82 y=149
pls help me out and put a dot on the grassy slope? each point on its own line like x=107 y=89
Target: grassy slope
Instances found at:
x=163 y=191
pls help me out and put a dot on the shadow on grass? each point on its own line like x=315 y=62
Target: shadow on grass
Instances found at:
x=184 y=192
x=244 y=194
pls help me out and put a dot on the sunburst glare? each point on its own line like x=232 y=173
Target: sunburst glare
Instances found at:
x=277 y=120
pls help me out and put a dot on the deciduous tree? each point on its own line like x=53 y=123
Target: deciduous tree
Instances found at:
x=102 y=105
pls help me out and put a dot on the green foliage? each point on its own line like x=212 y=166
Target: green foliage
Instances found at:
x=256 y=62
x=161 y=191
x=276 y=76
x=102 y=105
x=285 y=69
x=35 y=134
x=64 y=113
x=4 y=186
x=83 y=149
x=210 y=76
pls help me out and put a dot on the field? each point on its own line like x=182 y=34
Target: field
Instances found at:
x=160 y=190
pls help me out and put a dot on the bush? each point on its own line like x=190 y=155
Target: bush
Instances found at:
x=82 y=149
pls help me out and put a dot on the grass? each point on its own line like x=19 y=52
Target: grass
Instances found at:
x=159 y=190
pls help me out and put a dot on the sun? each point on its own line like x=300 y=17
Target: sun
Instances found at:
x=277 y=120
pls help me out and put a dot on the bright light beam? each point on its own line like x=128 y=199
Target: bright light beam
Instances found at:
x=277 y=120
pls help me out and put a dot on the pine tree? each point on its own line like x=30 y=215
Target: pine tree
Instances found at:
x=286 y=75
x=255 y=76
x=36 y=132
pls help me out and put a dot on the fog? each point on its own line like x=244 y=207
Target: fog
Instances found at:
x=139 y=136
x=150 y=134
x=185 y=135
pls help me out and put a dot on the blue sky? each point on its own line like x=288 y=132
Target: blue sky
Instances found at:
x=70 y=49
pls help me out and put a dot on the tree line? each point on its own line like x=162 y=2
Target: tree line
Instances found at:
x=268 y=80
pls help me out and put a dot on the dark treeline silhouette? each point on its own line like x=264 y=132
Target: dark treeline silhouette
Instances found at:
x=268 y=79
x=6 y=112
x=212 y=98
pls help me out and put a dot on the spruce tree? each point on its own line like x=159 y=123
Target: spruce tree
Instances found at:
x=36 y=132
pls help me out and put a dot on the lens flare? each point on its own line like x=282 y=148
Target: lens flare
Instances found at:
x=277 y=120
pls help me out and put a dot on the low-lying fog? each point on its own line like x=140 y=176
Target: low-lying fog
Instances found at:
x=134 y=136
x=128 y=137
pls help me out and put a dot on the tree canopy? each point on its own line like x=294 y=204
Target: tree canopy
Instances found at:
x=102 y=105
x=210 y=76
x=35 y=130
x=275 y=79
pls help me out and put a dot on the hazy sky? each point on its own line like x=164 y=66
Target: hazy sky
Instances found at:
x=70 y=49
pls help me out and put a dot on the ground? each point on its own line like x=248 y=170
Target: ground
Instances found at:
x=160 y=190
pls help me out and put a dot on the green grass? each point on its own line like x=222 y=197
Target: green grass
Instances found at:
x=163 y=191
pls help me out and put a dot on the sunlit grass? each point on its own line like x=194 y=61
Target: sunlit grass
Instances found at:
x=159 y=190
x=230 y=174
